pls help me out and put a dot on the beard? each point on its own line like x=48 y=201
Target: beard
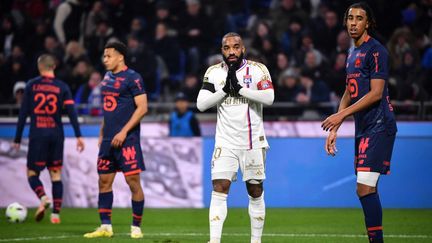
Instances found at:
x=236 y=64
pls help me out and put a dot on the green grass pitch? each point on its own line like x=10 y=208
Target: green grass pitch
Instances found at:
x=191 y=225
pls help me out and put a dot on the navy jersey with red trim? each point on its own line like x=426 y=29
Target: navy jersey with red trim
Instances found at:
x=366 y=62
x=44 y=100
x=118 y=92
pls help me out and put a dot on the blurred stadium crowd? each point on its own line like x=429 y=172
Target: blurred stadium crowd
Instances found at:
x=172 y=42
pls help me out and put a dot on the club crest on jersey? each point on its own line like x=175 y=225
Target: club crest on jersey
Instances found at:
x=117 y=84
x=357 y=63
x=247 y=79
x=265 y=85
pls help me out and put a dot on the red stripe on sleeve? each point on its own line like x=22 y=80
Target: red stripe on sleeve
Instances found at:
x=68 y=102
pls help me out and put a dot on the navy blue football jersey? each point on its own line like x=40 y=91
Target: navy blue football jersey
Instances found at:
x=118 y=92
x=44 y=100
x=366 y=62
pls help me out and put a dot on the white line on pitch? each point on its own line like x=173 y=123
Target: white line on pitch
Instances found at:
x=281 y=235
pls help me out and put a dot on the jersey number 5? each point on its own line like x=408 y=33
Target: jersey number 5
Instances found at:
x=353 y=87
x=47 y=104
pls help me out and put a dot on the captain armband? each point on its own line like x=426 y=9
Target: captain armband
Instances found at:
x=208 y=86
x=264 y=84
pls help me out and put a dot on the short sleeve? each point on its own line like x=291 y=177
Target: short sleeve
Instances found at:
x=136 y=85
x=378 y=62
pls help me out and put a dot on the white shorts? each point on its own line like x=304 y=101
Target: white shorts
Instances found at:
x=226 y=162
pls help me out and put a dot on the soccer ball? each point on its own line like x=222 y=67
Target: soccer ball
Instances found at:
x=16 y=213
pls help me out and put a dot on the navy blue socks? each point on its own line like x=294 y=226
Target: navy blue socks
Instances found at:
x=57 y=194
x=36 y=186
x=137 y=212
x=105 y=206
x=373 y=216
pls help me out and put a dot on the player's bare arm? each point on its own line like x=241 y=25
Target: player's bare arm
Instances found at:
x=330 y=145
x=80 y=144
x=373 y=96
x=140 y=111
x=73 y=117
x=101 y=133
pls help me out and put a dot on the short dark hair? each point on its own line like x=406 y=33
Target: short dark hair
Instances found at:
x=369 y=14
x=120 y=47
x=47 y=61
x=231 y=34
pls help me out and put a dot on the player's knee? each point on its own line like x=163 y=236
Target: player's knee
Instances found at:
x=134 y=183
x=221 y=186
x=104 y=185
x=255 y=193
x=220 y=189
x=363 y=190
x=135 y=187
x=55 y=175
x=254 y=188
x=31 y=173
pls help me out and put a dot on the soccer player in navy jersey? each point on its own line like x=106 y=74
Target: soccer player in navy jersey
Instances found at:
x=366 y=97
x=44 y=99
x=124 y=105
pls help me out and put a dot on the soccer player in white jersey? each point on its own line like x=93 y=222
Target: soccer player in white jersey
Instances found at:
x=239 y=88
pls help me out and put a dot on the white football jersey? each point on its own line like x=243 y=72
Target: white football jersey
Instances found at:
x=240 y=120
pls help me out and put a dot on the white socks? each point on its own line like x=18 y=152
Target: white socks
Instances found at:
x=257 y=217
x=218 y=212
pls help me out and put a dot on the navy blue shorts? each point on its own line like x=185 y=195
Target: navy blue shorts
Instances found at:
x=128 y=159
x=373 y=152
x=45 y=152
